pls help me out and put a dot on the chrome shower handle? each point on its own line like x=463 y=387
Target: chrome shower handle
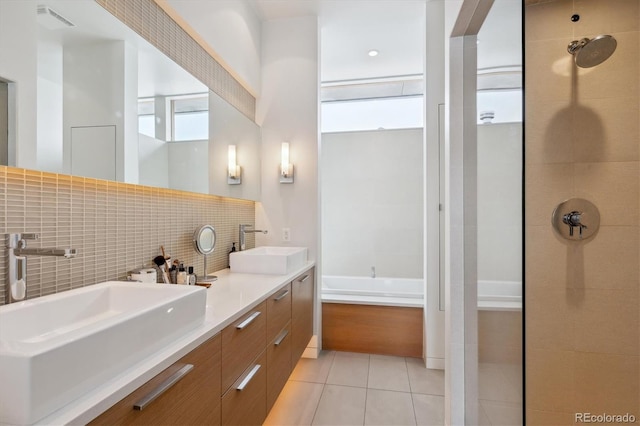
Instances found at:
x=576 y=213
x=573 y=219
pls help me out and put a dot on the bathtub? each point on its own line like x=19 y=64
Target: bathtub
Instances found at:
x=373 y=315
x=499 y=296
x=492 y=295
x=373 y=291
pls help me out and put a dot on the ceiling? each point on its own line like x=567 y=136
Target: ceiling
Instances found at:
x=349 y=29
x=396 y=28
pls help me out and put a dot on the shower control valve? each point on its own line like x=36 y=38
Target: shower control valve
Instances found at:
x=576 y=213
x=573 y=220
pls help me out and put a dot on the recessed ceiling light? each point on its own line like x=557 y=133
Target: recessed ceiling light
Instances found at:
x=373 y=52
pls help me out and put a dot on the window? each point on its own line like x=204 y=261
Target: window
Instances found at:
x=146 y=117
x=190 y=118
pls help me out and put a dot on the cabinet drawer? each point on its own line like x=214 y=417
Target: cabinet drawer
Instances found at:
x=194 y=398
x=302 y=289
x=245 y=402
x=242 y=341
x=278 y=311
x=278 y=364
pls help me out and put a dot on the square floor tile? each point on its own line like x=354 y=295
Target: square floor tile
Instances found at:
x=389 y=408
x=341 y=405
x=349 y=369
x=388 y=373
x=296 y=404
x=429 y=409
x=314 y=370
x=424 y=380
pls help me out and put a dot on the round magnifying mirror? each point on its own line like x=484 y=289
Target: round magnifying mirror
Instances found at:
x=204 y=239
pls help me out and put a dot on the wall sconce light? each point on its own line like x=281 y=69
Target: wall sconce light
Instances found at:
x=234 y=175
x=286 y=168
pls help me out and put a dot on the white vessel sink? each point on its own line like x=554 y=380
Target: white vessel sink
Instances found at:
x=268 y=260
x=56 y=348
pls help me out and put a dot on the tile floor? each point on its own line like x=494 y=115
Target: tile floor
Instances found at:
x=342 y=388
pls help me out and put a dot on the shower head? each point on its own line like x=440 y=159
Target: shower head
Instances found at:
x=588 y=53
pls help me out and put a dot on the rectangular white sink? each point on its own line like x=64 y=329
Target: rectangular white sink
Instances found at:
x=268 y=260
x=56 y=348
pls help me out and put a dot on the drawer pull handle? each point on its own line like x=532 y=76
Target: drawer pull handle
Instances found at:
x=248 y=377
x=281 y=337
x=282 y=296
x=303 y=279
x=162 y=387
x=248 y=321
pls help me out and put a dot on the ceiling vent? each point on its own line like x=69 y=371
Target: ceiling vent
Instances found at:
x=52 y=20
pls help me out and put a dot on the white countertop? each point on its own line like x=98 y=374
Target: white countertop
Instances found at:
x=228 y=298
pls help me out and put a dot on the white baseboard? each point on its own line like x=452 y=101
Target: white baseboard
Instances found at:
x=435 y=363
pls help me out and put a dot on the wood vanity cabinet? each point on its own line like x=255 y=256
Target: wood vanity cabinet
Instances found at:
x=242 y=342
x=279 y=347
x=194 y=399
x=302 y=289
x=237 y=375
x=245 y=403
x=279 y=364
x=278 y=311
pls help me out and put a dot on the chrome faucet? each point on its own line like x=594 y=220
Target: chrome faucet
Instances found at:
x=373 y=272
x=17 y=256
x=244 y=231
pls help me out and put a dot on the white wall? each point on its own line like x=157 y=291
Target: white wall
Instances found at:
x=500 y=202
x=372 y=203
x=228 y=126
x=19 y=17
x=189 y=166
x=288 y=112
x=154 y=161
x=100 y=89
x=433 y=182
x=232 y=29
x=50 y=95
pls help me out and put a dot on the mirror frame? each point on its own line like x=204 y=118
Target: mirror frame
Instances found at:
x=199 y=240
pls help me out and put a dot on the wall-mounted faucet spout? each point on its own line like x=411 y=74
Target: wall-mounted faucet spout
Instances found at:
x=63 y=252
x=244 y=231
x=17 y=259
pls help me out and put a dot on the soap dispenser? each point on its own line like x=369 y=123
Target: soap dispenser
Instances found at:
x=233 y=249
x=181 y=277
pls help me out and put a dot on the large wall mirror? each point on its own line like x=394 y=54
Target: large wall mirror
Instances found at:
x=110 y=105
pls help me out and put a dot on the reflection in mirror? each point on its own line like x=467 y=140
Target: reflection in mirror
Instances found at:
x=4 y=123
x=108 y=98
x=231 y=127
x=90 y=78
x=499 y=206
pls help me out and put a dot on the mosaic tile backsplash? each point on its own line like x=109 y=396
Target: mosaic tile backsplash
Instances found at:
x=115 y=227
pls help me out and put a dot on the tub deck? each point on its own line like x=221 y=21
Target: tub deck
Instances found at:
x=384 y=330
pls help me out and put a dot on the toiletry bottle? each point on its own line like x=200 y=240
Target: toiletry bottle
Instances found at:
x=191 y=277
x=233 y=249
x=173 y=274
x=181 y=277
